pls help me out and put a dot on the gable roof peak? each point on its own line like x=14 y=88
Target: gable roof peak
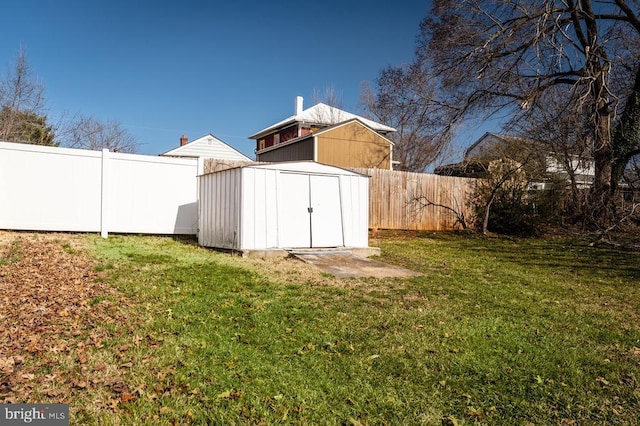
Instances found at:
x=322 y=114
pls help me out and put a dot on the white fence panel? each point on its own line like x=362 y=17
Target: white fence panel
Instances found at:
x=52 y=189
x=154 y=195
x=61 y=189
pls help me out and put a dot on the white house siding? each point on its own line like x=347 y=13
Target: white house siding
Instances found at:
x=207 y=147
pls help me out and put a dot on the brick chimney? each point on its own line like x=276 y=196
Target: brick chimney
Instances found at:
x=184 y=140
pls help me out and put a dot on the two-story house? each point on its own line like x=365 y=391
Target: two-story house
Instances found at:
x=327 y=135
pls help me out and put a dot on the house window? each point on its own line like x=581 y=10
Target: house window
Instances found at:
x=260 y=144
x=276 y=139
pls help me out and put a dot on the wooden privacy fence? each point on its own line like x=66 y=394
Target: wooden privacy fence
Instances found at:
x=417 y=201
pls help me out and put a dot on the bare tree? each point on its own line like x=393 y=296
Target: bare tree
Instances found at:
x=405 y=98
x=506 y=54
x=421 y=202
x=333 y=100
x=21 y=106
x=503 y=174
x=560 y=132
x=93 y=134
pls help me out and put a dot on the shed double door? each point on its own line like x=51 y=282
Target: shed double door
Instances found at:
x=309 y=211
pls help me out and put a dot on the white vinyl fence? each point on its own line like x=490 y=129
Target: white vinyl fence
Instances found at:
x=62 y=189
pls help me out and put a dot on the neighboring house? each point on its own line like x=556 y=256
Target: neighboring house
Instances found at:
x=492 y=146
x=326 y=135
x=489 y=147
x=207 y=146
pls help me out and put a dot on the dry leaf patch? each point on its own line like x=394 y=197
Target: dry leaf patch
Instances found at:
x=54 y=310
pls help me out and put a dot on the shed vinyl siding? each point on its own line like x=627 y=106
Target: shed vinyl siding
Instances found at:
x=259 y=208
x=355 y=210
x=353 y=145
x=219 y=209
x=297 y=151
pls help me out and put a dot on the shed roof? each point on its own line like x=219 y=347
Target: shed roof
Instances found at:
x=310 y=167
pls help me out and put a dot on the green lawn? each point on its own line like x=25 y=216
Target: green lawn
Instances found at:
x=496 y=331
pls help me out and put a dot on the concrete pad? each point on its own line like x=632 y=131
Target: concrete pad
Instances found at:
x=273 y=253
x=264 y=254
x=346 y=265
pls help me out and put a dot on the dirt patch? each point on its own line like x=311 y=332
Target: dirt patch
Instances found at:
x=53 y=308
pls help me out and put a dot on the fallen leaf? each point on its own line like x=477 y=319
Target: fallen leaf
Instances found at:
x=229 y=394
x=126 y=397
x=7 y=365
x=117 y=385
x=113 y=403
x=475 y=414
x=224 y=395
x=78 y=383
x=52 y=392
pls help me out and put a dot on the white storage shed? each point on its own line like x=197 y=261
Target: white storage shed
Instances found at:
x=283 y=205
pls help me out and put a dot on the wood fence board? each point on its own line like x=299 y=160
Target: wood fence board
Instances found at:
x=416 y=201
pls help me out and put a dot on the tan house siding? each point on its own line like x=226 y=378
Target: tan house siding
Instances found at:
x=353 y=145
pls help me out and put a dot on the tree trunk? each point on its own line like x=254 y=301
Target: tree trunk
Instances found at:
x=487 y=211
x=600 y=196
x=596 y=64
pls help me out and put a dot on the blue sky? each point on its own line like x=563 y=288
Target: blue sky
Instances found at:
x=227 y=68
